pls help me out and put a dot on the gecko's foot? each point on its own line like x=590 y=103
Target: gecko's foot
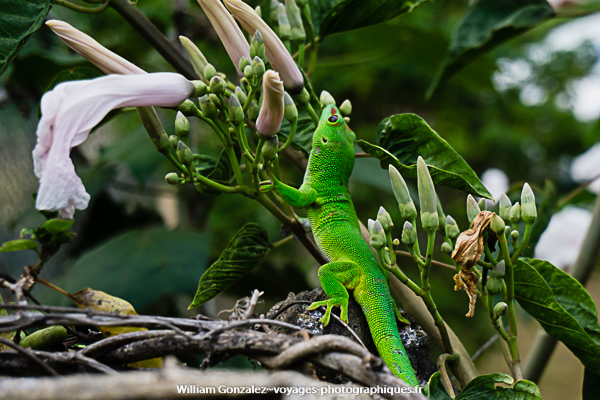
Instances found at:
x=266 y=186
x=330 y=303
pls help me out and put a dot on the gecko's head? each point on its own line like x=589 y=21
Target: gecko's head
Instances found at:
x=333 y=129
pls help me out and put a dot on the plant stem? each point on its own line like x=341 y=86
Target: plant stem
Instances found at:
x=83 y=10
x=301 y=54
x=290 y=138
x=156 y=39
x=524 y=242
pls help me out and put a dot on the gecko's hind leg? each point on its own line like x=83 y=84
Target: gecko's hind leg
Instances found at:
x=336 y=278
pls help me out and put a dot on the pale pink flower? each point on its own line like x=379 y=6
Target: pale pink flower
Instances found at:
x=71 y=110
x=230 y=34
x=272 y=109
x=93 y=51
x=275 y=50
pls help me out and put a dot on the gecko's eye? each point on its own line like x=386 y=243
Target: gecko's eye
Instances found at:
x=333 y=119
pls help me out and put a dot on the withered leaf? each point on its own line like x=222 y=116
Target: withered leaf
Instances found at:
x=469 y=244
x=467 y=280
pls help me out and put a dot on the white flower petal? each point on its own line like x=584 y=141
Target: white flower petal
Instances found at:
x=72 y=109
x=496 y=181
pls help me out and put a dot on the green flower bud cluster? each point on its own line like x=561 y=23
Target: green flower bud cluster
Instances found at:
x=236 y=112
x=405 y=203
x=217 y=85
x=452 y=230
x=504 y=206
x=290 y=112
x=472 y=208
x=447 y=248
x=427 y=197
x=200 y=88
x=497 y=225
x=257 y=46
x=285 y=29
x=184 y=154
x=295 y=18
x=208 y=106
x=174 y=141
x=409 y=234
x=515 y=213
x=269 y=149
x=377 y=234
x=258 y=67
x=182 y=126
x=494 y=281
x=528 y=208
x=241 y=95
x=385 y=219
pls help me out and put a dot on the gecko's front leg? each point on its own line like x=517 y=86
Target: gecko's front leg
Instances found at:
x=297 y=198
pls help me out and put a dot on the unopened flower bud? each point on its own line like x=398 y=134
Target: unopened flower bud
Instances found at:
x=427 y=197
x=291 y=112
x=172 y=178
x=507 y=230
x=446 y=248
x=497 y=225
x=236 y=112
x=258 y=11
x=244 y=62
x=295 y=18
x=482 y=204
x=303 y=97
x=515 y=235
x=346 y=107
x=515 y=213
x=186 y=107
x=209 y=108
x=269 y=149
x=472 y=208
x=197 y=59
x=528 y=208
x=494 y=282
x=500 y=309
x=405 y=203
x=505 y=206
x=258 y=67
x=248 y=71
x=346 y=120
x=257 y=47
x=285 y=29
x=452 y=230
x=385 y=219
x=182 y=125
x=253 y=111
x=395 y=243
x=409 y=235
x=326 y=99
x=173 y=141
x=199 y=88
x=217 y=85
x=377 y=235
x=239 y=93
x=163 y=142
x=209 y=71
x=184 y=153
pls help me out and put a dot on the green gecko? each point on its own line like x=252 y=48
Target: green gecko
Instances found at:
x=333 y=220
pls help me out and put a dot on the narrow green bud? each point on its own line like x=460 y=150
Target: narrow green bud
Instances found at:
x=528 y=208
x=515 y=235
x=377 y=234
x=248 y=72
x=346 y=107
x=472 y=208
x=172 y=178
x=500 y=309
x=186 y=107
x=199 y=88
x=217 y=85
x=184 y=153
x=257 y=46
x=441 y=215
x=409 y=235
x=385 y=219
x=274 y=7
x=482 y=205
x=446 y=248
x=209 y=71
x=241 y=95
x=497 y=225
x=303 y=97
x=173 y=141
x=326 y=99
x=182 y=125
x=253 y=110
x=258 y=67
x=427 y=196
x=258 y=11
x=244 y=62
x=269 y=149
x=285 y=29
x=505 y=206
x=494 y=282
x=405 y=203
x=515 y=213
x=295 y=18
x=209 y=108
x=452 y=230
x=290 y=112
x=197 y=59
x=236 y=112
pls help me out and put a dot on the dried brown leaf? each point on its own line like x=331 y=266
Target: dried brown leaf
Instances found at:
x=469 y=244
x=467 y=280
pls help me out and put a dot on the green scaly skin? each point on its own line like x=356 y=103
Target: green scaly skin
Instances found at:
x=352 y=265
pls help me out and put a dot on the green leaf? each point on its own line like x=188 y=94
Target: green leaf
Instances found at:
x=487 y=24
x=242 y=255
x=218 y=170
x=484 y=387
x=18 y=20
x=304 y=133
x=354 y=14
x=434 y=390
x=140 y=265
x=591 y=386
x=319 y=10
x=403 y=138
x=19 y=244
x=562 y=307
x=55 y=226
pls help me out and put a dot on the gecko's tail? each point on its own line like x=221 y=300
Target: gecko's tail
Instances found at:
x=375 y=301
